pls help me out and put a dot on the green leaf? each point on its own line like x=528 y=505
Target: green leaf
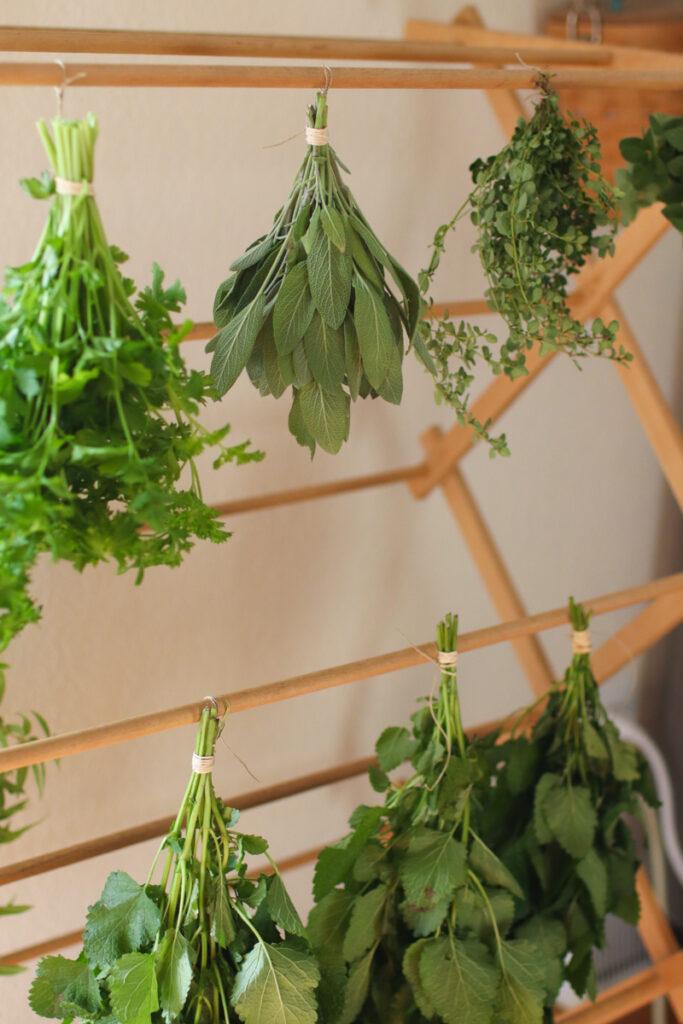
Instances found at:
x=546 y=785
x=335 y=863
x=133 y=988
x=411 y=970
x=254 y=254
x=293 y=309
x=674 y=136
x=489 y=867
x=357 y=987
x=327 y=926
x=474 y=914
x=375 y=336
x=459 y=981
x=233 y=344
x=352 y=358
x=281 y=908
x=222 y=923
x=325 y=416
x=278 y=369
x=425 y=919
x=122 y=921
x=593 y=874
x=365 y=926
x=297 y=425
x=64 y=988
x=174 y=972
x=433 y=867
x=624 y=756
x=621 y=879
x=394 y=746
x=329 y=274
x=522 y=764
x=595 y=745
x=333 y=226
x=392 y=388
x=276 y=985
x=324 y=348
x=571 y=817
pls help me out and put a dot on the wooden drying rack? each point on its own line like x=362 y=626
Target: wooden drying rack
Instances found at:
x=465 y=41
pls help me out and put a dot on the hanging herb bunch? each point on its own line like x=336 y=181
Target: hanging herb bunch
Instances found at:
x=655 y=171
x=98 y=412
x=560 y=814
x=209 y=944
x=541 y=209
x=312 y=305
x=415 y=910
x=14 y=789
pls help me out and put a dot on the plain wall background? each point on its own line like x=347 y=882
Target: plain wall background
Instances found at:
x=183 y=178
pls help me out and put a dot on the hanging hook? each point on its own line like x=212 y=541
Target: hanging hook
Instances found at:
x=328 y=78
x=543 y=79
x=66 y=81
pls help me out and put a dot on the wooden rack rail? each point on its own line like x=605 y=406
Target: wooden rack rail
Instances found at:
x=249 y=76
x=68 y=744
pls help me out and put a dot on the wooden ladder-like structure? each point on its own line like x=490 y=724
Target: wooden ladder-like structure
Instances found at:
x=465 y=40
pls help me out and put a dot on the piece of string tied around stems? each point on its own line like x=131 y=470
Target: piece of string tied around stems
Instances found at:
x=202 y=764
x=313 y=136
x=581 y=641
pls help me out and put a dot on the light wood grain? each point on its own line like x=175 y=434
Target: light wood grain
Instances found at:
x=657 y=936
x=256 y=76
x=111 y=733
x=628 y=996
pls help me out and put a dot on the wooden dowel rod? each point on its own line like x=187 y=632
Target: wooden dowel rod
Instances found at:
x=34 y=39
x=90 y=848
x=248 y=76
x=68 y=744
x=28 y=953
x=324 y=490
x=461 y=307
x=628 y=996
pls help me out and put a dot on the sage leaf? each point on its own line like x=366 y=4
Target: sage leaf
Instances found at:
x=375 y=337
x=324 y=348
x=297 y=425
x=352 y=359
x=329 y=273
x=325 y=415
x=234 y=344
x=293 y=309
x=254 y=254
x=333 y=225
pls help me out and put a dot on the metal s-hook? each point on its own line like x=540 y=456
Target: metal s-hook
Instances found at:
x=66 y=81
x=328 y=79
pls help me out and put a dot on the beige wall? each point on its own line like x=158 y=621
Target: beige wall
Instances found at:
x=184 y=178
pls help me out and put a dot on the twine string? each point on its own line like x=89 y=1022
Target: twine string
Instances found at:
x=66 y=81
x=317 y=136
x=581 y=641
x=65 y=187
x=202 y=764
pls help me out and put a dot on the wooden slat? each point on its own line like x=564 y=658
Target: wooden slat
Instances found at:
x=657 y=420
x=594 y=287
x=36 y=39
x=138 y=726
x=248 y=76
x=100 y=845
x=628 y=996
x=633 y=639
x=491 y=566
x=657 y=936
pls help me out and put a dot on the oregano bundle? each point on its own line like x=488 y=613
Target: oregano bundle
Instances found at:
x=415 y=910
x=541 y=208
x=311 y=305
x=209 y=943
x=98 y=411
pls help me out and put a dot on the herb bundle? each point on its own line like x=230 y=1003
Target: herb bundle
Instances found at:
x=97 y=408
x=415 y=909
x=309 y=306
x=655 y=174
x=209 y=944
x=13 y=789
x=560 y=807
x=541 y=209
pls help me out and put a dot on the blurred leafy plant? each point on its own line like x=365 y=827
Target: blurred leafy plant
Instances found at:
x=655 y=171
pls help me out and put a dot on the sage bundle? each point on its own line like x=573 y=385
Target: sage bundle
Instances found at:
x=309 y=306
x=415 y=909
x=560 y=809
x=541 y=209
x=655 y=171
x=98 y=411
x=209 y=943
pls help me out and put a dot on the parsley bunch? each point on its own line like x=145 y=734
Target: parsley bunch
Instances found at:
x=415 y=912
x=560 y=808
x=209 y=944
x=98 y=412
x=309 y=306
x=542 y=209
x=655 y=174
